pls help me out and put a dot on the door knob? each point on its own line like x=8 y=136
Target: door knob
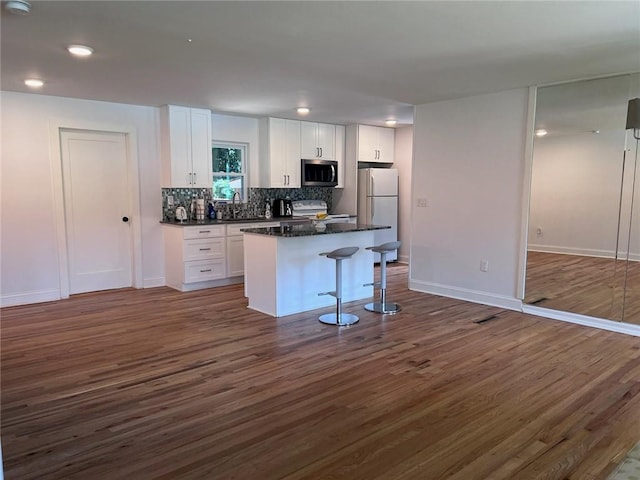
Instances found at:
x=125 y=219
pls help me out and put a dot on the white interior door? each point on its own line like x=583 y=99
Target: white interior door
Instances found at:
x=95 y=182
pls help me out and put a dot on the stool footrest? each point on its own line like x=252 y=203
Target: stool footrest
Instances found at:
x=372 y=284
x=333 y=293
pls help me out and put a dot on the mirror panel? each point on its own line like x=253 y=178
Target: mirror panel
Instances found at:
x=581 y=221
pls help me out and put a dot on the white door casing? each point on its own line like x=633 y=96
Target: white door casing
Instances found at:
x=130 y=195
x=95 y=183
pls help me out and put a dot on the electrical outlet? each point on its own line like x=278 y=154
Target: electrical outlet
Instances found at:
x=423 y=202
x=484 y=265
x=169 y=200
x=539 y=231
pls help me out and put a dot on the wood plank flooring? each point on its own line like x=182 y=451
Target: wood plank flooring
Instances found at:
x=587 y=285
x=158 y=384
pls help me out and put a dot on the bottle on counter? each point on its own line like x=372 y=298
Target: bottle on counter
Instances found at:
x=211 y=212
x=267 y=210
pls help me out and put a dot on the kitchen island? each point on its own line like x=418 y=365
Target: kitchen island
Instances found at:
x=284 y=272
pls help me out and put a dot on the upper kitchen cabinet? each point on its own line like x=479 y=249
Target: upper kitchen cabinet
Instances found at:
x=317 y=140
x=340 y=152
x=375 y=144
x=280 y=153
x=186 y=147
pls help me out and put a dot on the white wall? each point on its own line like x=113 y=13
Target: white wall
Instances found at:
x=230 y=128
x=403 y=160
x=29 y=262
x=575 y=193
x=468 y=164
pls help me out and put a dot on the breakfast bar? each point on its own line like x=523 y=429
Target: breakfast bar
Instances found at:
x=284 y=271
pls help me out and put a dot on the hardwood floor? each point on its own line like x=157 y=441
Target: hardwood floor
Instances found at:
x=158 y=384
x=588 y=285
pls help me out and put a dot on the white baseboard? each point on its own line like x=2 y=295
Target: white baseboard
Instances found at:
x=585 y=252
x=153 y=282
x=25 y=298
x=474 y=296
x=610 y=325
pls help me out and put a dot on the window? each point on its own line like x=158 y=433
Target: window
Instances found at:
x=229 y=171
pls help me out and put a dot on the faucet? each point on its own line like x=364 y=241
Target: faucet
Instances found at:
x=233 y=203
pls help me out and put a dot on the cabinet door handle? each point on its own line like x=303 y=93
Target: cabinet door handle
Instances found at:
x=204 y=231
x=189 y=178
x=207 y=270
x=195 y=178
x=204 y=249
x=320 y=152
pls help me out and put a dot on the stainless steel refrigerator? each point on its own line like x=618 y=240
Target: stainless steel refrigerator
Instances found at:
x=378 y=204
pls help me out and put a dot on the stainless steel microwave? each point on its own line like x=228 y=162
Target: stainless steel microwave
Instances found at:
x=319 y=173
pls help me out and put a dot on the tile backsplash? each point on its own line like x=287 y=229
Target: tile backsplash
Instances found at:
x=253 y=207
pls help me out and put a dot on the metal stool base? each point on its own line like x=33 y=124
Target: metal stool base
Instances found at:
x=379 y=307
x=345 y=320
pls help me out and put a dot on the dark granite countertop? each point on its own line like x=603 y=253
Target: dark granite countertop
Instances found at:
x=195 y=223
x=307 y=230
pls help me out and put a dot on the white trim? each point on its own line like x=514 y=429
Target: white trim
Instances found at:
x=25 y=298
x=403 y=259
x=526 y=192
x=56 y=125
x=583 y=252
x=610 y=325
x=468 y=295
x=154 y=282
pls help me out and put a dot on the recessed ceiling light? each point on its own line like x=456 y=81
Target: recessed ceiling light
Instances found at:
x=80 y=50
x=541 y=132
x=303 y=110
x=595 y=131
x=33 y=83
x=19 y=7
x=390 y=122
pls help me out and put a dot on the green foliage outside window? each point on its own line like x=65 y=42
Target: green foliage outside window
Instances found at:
x=228 y=174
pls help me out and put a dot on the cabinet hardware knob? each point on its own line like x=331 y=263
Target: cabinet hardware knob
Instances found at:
x=125 y=219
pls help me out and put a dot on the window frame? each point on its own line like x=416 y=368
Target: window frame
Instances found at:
x=244 y=155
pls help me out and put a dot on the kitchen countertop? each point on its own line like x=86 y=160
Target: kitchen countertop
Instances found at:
x=307 y=230
x=195 y=223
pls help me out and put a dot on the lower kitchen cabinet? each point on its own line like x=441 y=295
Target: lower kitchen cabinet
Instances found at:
x=205 y=256
x=235 y=246
x=195 y=257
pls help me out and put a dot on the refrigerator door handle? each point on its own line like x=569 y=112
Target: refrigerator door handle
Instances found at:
x=371 y=210
x=371 y=193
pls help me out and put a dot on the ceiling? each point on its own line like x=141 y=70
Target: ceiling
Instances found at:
x=350 y=61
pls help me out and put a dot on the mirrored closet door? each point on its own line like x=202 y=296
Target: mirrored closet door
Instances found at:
x=583 y=251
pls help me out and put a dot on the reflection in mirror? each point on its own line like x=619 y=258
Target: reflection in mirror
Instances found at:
x=584 y=219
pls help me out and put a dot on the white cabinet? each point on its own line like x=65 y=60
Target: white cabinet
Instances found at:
x=375 y=144
x=194 y=256
x=317 y=140
x=280 y=153
x=235 y=246
x=340 y=151
x=186 y=147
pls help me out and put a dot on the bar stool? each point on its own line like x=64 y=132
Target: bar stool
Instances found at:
x=382 y=306
x=339 y=318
